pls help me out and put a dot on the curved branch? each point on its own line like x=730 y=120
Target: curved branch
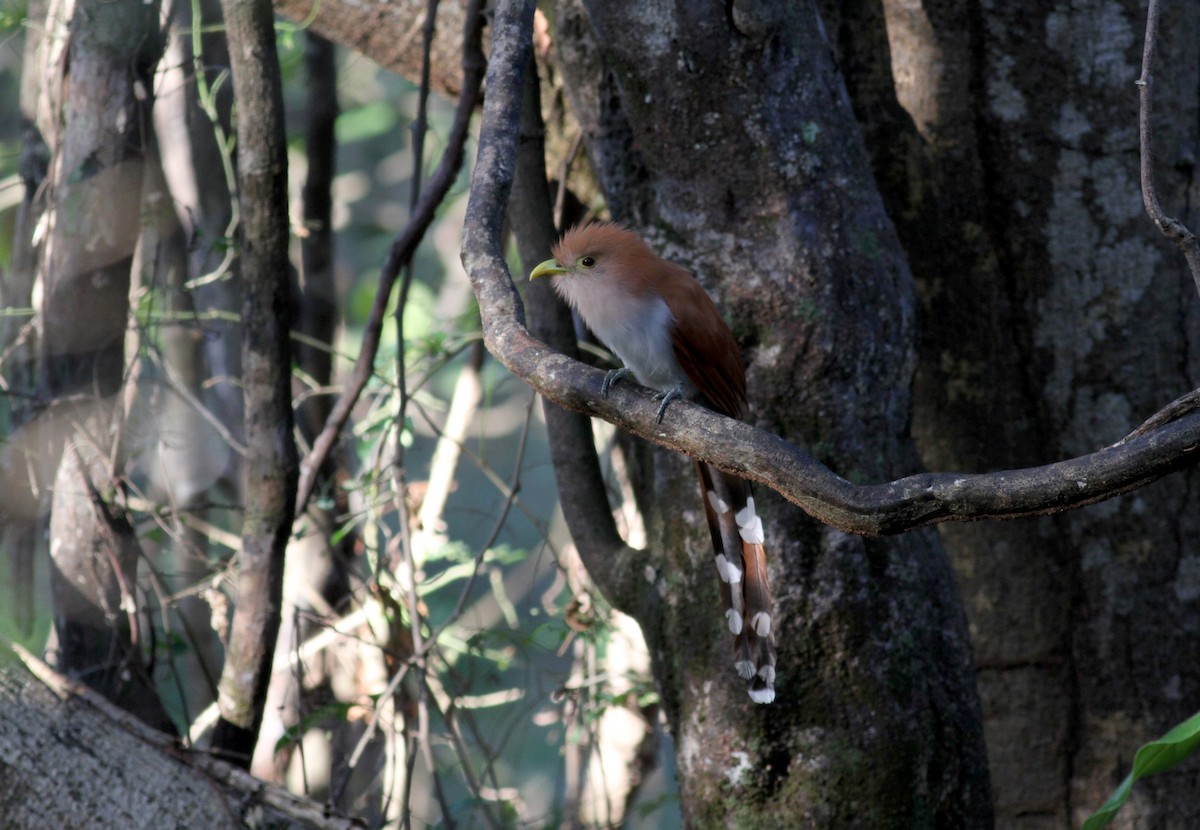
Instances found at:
x=1170 y=227
x=610 y=562
x=740 y=448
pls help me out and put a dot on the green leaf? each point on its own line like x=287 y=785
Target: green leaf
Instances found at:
x=1157 y=756
x=365 y=122
x=336 y=710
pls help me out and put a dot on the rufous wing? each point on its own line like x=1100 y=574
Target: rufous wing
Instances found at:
x=703 y=343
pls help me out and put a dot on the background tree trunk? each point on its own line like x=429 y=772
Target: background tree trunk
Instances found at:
x=93 y=113
x=271 y=467
x=1055 y=318
x=1046 y=318
x=876 y=689
x=317 y=572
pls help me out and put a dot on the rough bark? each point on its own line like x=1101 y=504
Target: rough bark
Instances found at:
x=1054 y=317
x=315 y=577
x=1110 y=314
x=389 y=33
x=94 y=554
x=876 y=693
x=129 y=777
x=93 y=113
x=271 y=466
x=795 y=243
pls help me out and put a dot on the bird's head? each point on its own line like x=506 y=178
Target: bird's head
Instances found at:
x=596 y=251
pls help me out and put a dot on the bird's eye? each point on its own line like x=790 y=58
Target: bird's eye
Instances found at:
x=588 y=261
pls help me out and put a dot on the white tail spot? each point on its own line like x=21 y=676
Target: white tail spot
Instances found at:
x=728 y=571
x=761 y=623
x=746 y=514
x=766 y=695
x=745 y=669
x=723 y=567
x=735 y=573
x=752 y=533
x=718 y=503
x=735 y=621
x=750 y=527
x=767 y=673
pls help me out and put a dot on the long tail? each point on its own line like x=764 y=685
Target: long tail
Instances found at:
x=737 y=537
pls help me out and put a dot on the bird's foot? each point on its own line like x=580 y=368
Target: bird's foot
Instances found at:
x=611 y=378
x=666 y=398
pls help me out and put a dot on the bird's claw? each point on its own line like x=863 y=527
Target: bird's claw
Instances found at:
x=666 y=398
x=615 y=375
x=611 y=378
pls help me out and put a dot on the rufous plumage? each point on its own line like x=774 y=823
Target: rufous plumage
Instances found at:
x=666 y=330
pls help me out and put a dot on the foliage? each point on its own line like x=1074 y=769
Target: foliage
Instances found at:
x=448 y=656
x=1167 y=752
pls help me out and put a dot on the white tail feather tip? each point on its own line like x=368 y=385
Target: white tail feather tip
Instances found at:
x=766 y=695
x=752 y=531
x=761 y=623
x=728 y=571
x=767 y=673
x=747 y=513
x=735 y=621
x=745 y=669
x=722 y=567
x=718 y=503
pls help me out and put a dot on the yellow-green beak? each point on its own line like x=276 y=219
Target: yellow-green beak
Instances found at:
x=547 y=269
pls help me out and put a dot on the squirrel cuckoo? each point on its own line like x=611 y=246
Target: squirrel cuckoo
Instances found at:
x=666 y=330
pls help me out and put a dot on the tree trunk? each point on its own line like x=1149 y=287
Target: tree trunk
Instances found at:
x=1055 y=320
x=729 y=141
x=93 y=113
x=271 y=467
x=193 y=128
x=316 y=575
x=129 y=777
x=94 y=553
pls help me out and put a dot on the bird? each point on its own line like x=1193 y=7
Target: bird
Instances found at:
x=668 y=333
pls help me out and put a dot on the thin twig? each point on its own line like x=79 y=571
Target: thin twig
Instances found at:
x=179 y=387
x=460 y=749
x=514 y=487
x=1183 y=405
x=206 y=96
x=402 y=250
x=1172 y=229
x=418 y=737
x=499 y=483
x=468 y=391
x=431 y=641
